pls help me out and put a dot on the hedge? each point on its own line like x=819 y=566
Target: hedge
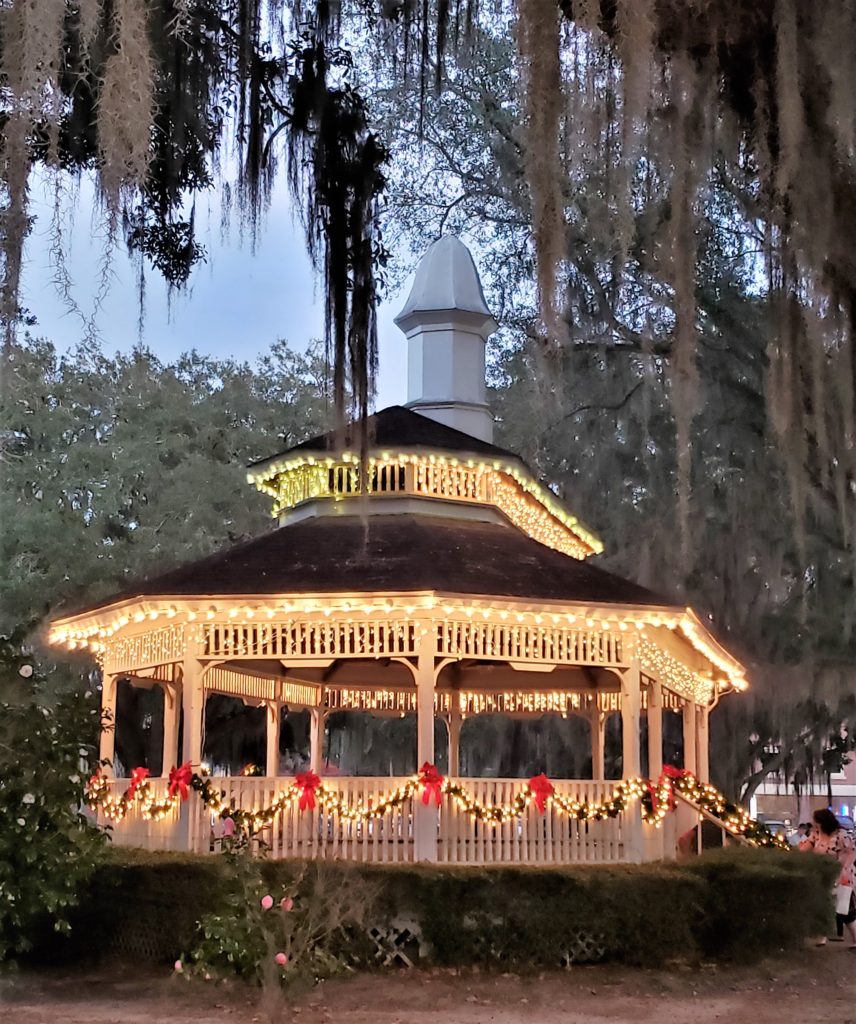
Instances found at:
x=731 y=904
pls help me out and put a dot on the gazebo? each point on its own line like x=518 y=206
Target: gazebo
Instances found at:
x=433 y=575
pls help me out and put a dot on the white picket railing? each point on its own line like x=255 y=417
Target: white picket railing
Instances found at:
x=531 y=838
x=319 y=832
x=144 y=833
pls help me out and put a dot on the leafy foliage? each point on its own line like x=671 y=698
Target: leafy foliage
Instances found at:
x=733 y=904
x=125 y=466
x=48 y=848
x=272 y=935
x=597 y=418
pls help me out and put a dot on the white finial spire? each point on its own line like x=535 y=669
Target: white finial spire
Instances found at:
x=446 y=322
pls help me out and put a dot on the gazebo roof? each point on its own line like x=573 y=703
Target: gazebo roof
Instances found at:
x=334 y=554
x=400 y=428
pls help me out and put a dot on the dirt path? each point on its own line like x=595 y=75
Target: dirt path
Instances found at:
x=820 y=984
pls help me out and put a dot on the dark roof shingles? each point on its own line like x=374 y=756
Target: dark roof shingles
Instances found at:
x=398 y=427
x=396 y=553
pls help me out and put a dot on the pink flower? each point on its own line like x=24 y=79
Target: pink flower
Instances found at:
x=178 y=967
x=281 y=959
x=267 y=902
x=286 y=903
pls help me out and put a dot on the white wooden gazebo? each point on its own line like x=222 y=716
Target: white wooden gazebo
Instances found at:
x=438 y=577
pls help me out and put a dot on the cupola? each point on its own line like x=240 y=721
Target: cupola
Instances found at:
x=446 y=322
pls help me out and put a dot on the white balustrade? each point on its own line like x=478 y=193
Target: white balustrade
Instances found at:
x=532 y=838
x=323 y=833
x=136 y=830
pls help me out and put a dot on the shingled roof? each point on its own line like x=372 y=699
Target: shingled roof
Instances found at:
x=400 y=428
x=395 y=553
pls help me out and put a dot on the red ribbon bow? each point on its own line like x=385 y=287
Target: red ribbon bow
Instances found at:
x=138 y=776
x=541 y=789
x=179 y=780
x=668 y=777
x=308 y=783
x=431 y=782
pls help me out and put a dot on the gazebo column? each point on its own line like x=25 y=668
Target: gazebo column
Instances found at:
x=597 y=723
x=171 y=717
x=454 y=723
x=690 y=737
x=631 y=712
x=317 y=717
x=655 y=729
x=193 y=705
x=273 y=716
x=703 y=747
x=107 y=739
x=193 y=827
x=425 y=815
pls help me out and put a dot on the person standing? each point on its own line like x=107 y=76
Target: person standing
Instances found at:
x=802 y=832
x=829 y=838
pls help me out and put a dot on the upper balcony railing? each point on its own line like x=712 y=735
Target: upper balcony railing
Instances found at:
x=529 y=506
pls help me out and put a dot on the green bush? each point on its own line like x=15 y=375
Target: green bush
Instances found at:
x=48 y=848
x=141 y=905
x=733 y=904
x=761 y=901
x=282 y=931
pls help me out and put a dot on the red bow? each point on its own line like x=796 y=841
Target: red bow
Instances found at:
x=541 y=789
x=179 y=780
x=668 y=777
x=432 y=783
x=94 y=779
x=308 y=783
x=138 y=776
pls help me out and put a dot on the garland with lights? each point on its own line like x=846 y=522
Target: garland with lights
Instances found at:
x=656 y=800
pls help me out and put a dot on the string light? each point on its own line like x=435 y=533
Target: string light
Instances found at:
x=674 y=674
x=525 y=501
x=655 y=800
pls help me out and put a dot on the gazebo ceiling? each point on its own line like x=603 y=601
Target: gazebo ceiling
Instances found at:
x=396 y=553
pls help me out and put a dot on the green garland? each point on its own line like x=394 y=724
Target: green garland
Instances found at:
x=655 y=799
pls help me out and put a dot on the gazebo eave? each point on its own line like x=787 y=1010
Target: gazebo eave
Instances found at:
x=680 y=629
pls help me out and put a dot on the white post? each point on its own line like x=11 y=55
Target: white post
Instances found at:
x=107 y=739
x=193 y=705
x=316 y=739
x=597 y=722
x=631 y=704
x=194 y=827
x=171 y=714
x=273 y=715
x=655 y=729
x=454 y=723
x=703 y=749
x=689 y=720
x=425 y=815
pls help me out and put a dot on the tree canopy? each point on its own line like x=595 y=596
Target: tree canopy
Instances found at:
x=677 y=178
x=597 y=418
x=114 y=468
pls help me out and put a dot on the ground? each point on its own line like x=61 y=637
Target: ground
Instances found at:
x=821 y=984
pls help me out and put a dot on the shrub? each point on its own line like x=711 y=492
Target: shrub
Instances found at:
x=730 y=904
x=761 y=901
x=48 y=848
x=283 y=929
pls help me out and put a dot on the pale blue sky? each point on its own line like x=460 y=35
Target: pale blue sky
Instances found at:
x=236 y=305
